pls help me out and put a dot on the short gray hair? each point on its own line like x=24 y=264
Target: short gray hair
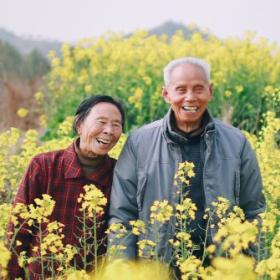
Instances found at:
x=167 y=70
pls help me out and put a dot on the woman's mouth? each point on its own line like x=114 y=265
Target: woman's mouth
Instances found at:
x=103 y=141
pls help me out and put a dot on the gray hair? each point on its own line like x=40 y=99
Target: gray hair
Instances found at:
x=167 y=70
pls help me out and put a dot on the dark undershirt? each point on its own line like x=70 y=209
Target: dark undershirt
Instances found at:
x=192 y=151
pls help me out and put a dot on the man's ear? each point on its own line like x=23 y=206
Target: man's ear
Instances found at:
x=211 y=88
x=165 y=94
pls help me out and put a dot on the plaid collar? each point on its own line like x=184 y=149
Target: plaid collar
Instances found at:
x=73 y=168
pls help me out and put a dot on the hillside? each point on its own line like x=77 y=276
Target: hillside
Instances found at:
x=170 y=28
x=26 y=44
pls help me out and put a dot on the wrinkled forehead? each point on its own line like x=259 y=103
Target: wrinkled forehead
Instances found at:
x=105 y=110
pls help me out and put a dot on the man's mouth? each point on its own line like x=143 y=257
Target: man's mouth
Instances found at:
x=103 y=141
x=190 y=108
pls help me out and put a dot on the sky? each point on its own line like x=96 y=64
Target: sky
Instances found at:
x=70 y=20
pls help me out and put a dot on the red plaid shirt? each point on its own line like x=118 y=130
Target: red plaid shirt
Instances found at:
x=60 y=175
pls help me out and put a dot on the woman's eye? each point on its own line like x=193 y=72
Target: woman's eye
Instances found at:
x=117 y=125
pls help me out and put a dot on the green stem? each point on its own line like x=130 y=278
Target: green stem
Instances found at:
x=205 y=239
x=52 y=266
x=41 y=257
x=84 y=241
x=15 y=234
x=95 y=244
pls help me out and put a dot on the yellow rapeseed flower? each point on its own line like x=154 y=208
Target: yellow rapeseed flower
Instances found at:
x=138 y=227
x=92 y=201
x=161 y=212
x=22 y=112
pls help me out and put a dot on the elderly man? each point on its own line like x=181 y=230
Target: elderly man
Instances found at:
x=225 y=164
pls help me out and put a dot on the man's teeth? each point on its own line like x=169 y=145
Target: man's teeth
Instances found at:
x=103 y=141
x=190 y=108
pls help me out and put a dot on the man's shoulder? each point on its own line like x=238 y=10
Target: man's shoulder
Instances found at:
x=146 y=134
x=229 y=131
x=148 y=129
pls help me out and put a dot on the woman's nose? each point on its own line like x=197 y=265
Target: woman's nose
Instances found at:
x=108 y=128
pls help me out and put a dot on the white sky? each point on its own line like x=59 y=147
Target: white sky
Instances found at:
x=70 y=20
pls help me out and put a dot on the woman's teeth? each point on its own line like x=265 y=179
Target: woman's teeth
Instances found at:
x=103 y=141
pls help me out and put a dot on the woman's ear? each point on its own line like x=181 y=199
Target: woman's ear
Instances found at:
x=79 y=129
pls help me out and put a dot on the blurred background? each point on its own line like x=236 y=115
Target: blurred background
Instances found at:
x=34 y=94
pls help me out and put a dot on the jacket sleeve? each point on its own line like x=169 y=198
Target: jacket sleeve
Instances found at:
x=123 y=205
x=27 y=192
x=251 y=198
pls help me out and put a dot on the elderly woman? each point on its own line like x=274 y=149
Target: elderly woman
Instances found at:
x=63 y=174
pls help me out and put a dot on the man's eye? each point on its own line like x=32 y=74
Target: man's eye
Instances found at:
x=198 y=88
x=180 y=90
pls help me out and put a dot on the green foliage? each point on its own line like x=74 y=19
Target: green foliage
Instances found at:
x=13 y=64
x=10 y=61
x=130 y=68
x=36 y=65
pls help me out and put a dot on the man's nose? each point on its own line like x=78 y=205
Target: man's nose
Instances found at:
x=190 y=96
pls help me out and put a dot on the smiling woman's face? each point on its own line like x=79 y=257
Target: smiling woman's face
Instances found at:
x=100 y=130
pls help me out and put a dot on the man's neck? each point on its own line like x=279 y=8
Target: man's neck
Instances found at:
x=195 y=131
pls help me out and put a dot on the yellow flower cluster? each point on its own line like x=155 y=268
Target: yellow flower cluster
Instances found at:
x=92 y=201
x=184 y=173
x=190 y=268
x=146 y=248
x=33 y=213
x=52 y=242
x=123 y=270
x=22 y=112
x=237 y=268
x=119 y=230
x=161 y=212
x=4 y=259
x=236 y=235
x=186 y=210
x=65 y=128
x=182 y=239
x=138 y=227
x=271 y=266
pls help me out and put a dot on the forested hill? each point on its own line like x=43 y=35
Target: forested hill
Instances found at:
x=26 y=45
x=171 y=27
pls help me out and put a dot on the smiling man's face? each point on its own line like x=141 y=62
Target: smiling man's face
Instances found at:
x=188 y=94
x=100 y=130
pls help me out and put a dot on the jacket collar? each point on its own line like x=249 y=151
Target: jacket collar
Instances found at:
x=172 y=136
